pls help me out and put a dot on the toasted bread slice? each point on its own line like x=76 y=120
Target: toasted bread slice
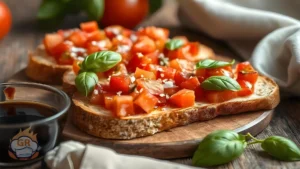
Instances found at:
x=43 y=68
x=99 y=121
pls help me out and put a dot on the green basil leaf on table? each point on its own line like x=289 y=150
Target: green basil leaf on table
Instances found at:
x=219 y=147
x=94 y=8
x=209 y=64
x=50 y=9
x=101 y=61
x=281 y=148
x=85 y=82
x=174 y=44
x=220 y=83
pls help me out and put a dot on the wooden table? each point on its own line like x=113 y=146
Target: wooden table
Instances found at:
x=26 y=36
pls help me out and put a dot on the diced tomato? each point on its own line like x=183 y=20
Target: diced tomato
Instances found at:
x=76 y=66
x=96 y=46
x=246 y=88
x=120 y=83
x=119 y=69
x=89 y=26
x=100 y=75
x=121 y=40
x=199 y=93
x=171 y=90
x=51 y=41
x=154 y=33
x=97 y=96
x=188 y=51
x=108 y=100
x=123 y=106
x=140 y=73
x=246 y=72
x=182 y=65
x=134 y=94
x=113 y=31
x=166 y=72
x=183 y=98
x=191 y=83
x=65 y=60
x=141 y=61
x=222 y=71
x=143 y=45
x=60 y=49
x=151 y=68
x=181 y=77
x=152 y=86
x=78 y=38
x=146 y=101
x=96 y=35
x=220 y=96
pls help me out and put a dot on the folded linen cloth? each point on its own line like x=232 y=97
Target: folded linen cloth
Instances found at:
x=267 y=32
x=74 y=155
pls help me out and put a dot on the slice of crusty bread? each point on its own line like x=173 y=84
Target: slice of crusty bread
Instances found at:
x=99 y=121
x=43 y=68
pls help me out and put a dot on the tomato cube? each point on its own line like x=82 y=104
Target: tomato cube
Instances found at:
x=146 y=101
x=152 y=86
x=108 y=100
x=246 y=88
x=89 y=26
x=78 y=38
x=220 y=96
x=120 y=83
x=181 y=77
x=143 y=45
x=166 y=72
x=183 y=98
x=123 y=106
x=140 y=73
x=96 y=35
x=191 y=83
x=51 y=41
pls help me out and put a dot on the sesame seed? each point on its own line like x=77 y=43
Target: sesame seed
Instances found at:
x=167 y=96
x=132 y=79
x=139 y=55
x=162 y=75
x=108 y=78
x=159 y=69
x=162 y=95
x=141 y=90
x=96 y=92
x=119 y=93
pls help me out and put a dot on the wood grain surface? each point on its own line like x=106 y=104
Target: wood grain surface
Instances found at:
x=26 y=36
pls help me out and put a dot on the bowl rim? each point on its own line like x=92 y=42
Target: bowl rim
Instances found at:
x=43 y=120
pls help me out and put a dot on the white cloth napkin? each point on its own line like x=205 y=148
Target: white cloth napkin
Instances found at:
x=267 y=32
x=74 y=155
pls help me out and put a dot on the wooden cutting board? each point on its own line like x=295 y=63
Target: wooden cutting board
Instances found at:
x=175 y=143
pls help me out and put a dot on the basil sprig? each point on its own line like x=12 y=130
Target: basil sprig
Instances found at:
x=210 y=64
x=281 y=148
x=220 y=83
x=223 y=146
x=101 y=61
x=219 y=147
x=92 y=64
x=174 y=44
x=85 y=82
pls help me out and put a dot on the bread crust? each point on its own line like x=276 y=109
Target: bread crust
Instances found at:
x=43 y=68
x=99 y=122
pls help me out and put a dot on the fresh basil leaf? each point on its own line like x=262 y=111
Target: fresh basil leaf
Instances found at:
x=50 y=9
x=85 y=82
x=219 y=147
x=209 y=64
x=174 y=44
x=94 y=9
x=281 y=148
x=101 y=61
x=220 y=83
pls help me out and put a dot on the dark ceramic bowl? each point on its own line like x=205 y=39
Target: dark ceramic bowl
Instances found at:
x=28 y=141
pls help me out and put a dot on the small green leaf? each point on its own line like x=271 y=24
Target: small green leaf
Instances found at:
x=94 y=9
x=174 y=44
x=219 y=147
x=209 y=64
x=85 y=82
x=220 y=83
x=50 y=9
x=281 y=148
x=101 y=61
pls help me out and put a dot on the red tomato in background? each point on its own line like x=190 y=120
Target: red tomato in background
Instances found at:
x=127 y=13
x=5 y=19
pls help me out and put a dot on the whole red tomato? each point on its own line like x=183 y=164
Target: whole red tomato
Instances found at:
x=127 y=13
x=5 y=19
